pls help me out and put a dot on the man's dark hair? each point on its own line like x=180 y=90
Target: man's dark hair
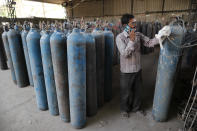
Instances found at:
x=125 y=18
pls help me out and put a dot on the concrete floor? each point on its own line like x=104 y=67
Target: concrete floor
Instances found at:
x=18 y=110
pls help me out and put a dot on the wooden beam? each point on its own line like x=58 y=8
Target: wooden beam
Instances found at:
x=132 y=4
x=103 y=9
x=163 y=6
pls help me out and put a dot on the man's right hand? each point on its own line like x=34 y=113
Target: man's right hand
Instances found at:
x=132 y=35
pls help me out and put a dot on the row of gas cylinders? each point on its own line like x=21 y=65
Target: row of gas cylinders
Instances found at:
x=71 y=74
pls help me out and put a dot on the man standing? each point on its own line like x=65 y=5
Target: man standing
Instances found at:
x=128 y=43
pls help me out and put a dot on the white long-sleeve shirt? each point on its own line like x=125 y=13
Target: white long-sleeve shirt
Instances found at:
x=130 y=56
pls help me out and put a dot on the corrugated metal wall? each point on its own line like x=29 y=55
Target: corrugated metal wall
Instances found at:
x=139 y=6
x=176 y=5
x=90 y=9
x=117 y=7
x=142 y=6
x=99 y=8
x=154 y=5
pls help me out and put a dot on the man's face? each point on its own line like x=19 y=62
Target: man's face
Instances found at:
x=132 y=23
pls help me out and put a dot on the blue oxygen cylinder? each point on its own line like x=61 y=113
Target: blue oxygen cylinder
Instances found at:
x=168 y=61
x=76 y=55
x=109 y=47
x=139 y=26
x=48 y=73
x=33 y=45
x=144 y=28
x=91 y=90
x=23 y=36
x=18 y=58
x=154 y=30
x=144 y=49
x=82 y=30
x=65 y=31
x=59 y=59
x=16 y=27
x=3 y=57
x=149 y=30
x=149 y=34
x=42 y=32
x=68 y=33
x=8 y=53
x=100 y=64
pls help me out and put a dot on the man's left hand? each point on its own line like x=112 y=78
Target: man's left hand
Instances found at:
x=165 y=31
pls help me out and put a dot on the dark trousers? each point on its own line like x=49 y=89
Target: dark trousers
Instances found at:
x=130 y=91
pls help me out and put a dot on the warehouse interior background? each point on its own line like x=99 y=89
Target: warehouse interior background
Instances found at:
x=148 y=10
x=19 y=112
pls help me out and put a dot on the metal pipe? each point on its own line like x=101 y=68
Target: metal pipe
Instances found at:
x=163 y=5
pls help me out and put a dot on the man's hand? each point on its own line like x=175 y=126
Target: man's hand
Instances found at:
x=165 y=31
x=132 y=35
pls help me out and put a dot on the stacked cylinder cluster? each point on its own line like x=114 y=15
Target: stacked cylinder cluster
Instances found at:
x=70 y=70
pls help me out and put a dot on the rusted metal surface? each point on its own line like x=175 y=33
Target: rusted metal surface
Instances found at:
x=59 y=58
x=76 y=52
x=100 y=64
x=18 y=59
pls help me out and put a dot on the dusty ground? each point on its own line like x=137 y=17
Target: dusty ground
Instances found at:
x=18 y=110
